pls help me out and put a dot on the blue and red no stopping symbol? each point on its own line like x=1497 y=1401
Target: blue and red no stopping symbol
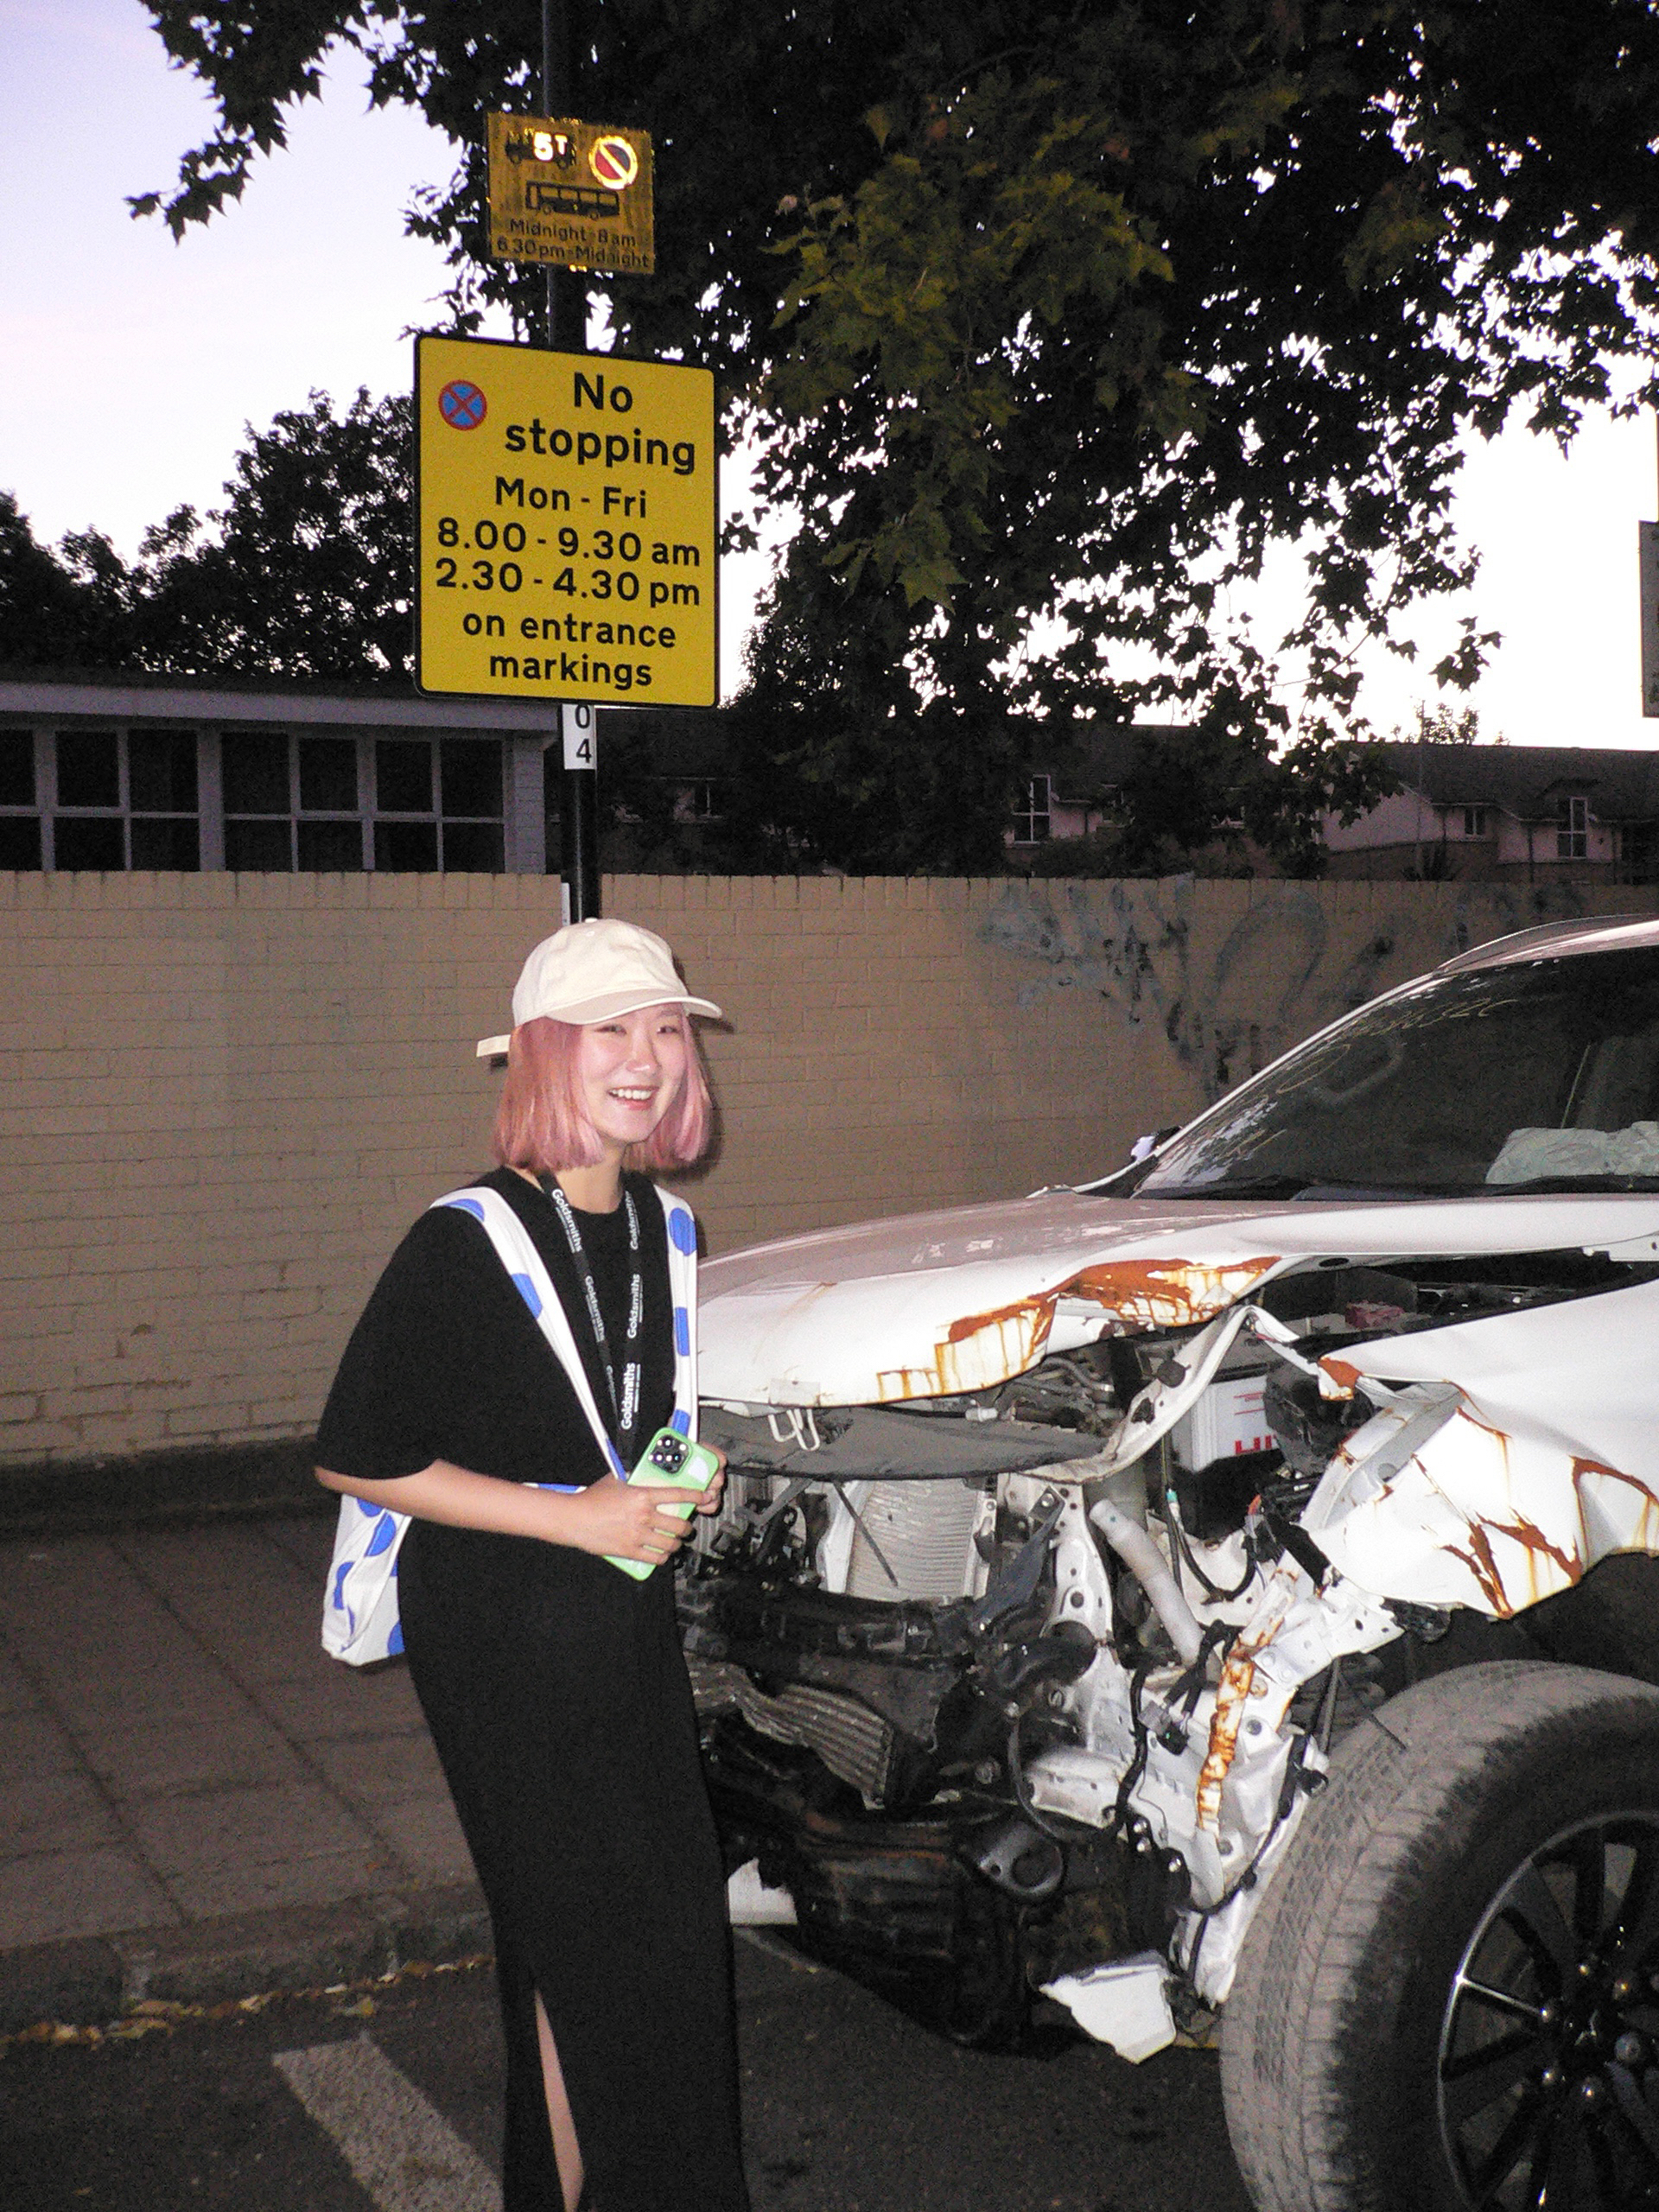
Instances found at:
x=461 y=404
x=613 y=163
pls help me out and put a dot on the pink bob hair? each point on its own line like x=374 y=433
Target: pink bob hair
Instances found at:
x=541 y=1124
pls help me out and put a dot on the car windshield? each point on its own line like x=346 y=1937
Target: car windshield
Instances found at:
x=1542 y=1076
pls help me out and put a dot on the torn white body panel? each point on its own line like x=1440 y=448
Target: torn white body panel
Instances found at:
x=1126 y=2005
x=1582 y=1370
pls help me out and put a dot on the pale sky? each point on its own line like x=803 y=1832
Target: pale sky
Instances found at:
x=131 y=364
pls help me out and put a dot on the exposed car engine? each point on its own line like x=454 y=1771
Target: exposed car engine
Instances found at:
x=1005 y=1663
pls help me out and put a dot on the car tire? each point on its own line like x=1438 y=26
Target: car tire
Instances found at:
x=1457 y=1960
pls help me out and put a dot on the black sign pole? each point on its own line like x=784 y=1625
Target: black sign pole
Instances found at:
x=567 y=327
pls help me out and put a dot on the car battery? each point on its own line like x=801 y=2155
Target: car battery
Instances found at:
x=1221 y=1450
x=1228 y=1422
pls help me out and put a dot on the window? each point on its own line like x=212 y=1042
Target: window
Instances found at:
x=1032 y=821
x=437 y=805
x=1424 y=1094
x=1474 y=821
x=291 y=802
x=116 y=799
x=410 y=805
x=1572 y=836
x=20 y=820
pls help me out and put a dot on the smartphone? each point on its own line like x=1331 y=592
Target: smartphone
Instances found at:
x=669 y=1461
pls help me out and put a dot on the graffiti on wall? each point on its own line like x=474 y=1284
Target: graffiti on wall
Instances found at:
x=1229 y=999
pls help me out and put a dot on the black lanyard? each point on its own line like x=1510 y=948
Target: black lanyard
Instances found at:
x=625 y=1404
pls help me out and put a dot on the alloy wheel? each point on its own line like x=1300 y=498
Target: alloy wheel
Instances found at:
x=1548 y=2072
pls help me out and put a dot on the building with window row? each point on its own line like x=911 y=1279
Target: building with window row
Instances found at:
x=107 y=771
x=1507 y=813
x=113 y=772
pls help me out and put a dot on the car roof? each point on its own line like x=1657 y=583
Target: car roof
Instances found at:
x=1561 y=941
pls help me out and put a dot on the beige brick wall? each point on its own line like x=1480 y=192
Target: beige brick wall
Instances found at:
x=223 y=1098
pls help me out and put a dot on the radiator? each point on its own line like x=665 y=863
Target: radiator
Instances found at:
x=924 y=1531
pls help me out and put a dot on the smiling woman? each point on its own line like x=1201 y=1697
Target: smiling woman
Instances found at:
x=572 y=1093
x=553 y=1686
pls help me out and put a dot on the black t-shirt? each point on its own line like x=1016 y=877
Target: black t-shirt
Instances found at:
x=447 y=1362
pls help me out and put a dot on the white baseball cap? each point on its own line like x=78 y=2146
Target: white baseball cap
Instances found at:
x=592 y=971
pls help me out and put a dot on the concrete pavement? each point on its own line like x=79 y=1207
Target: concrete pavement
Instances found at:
x=195 y=1802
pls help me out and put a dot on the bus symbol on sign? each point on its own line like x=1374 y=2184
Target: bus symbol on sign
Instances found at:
x=462 y=405
x=570 y=199
x=570 y=194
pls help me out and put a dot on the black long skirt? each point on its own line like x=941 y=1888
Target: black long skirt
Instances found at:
x=557 y=1697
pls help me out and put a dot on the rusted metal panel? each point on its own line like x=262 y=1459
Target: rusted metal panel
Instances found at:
x=1170 y=1294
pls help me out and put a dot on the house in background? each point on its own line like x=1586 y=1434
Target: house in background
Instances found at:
x=1507 y=813
x=1486 y=813
x=1078 y=788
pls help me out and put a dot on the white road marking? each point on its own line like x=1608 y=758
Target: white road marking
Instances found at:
x=404 y=2152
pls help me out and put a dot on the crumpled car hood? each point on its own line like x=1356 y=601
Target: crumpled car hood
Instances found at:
x=927 y=1305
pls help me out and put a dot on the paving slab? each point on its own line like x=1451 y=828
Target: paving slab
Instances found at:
x=382 y=1770
x=36 y=1745
x=378 y=1701
x=324 y=1879
x=194 y=1798
x=54 y=1812
x=427 y=1837
x=15 y=1694
x=203 y=1830
x=183 y=1754
x=66 y=1893
x=138 y=1697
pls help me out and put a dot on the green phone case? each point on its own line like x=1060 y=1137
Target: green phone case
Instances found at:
x=669 y=1461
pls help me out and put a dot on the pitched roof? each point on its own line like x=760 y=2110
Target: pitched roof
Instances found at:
x=1528 y=781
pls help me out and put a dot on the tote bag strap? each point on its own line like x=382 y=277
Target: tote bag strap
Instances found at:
x=524 y=1264
x=683 y=1291
x=516 y=1249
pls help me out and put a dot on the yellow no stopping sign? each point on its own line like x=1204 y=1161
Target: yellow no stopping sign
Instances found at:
x=565 y=533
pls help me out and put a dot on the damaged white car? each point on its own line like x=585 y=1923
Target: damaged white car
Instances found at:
x=1230 y=1586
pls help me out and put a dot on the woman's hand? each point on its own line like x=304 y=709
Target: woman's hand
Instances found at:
x=626 y=1520
x=708 y=1502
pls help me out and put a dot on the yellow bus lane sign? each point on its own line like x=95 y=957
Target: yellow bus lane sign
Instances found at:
x=571 y=195
x=566 y=512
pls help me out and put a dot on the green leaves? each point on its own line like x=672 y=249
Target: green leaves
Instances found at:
x=1049 y=321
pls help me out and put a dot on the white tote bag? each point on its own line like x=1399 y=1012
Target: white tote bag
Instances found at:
x=360 y=1609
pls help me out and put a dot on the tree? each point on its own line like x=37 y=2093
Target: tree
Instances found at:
x=830 y=767
x=1049 y=321
x=1444 y=724
x=62 y=609
x=307 y=574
